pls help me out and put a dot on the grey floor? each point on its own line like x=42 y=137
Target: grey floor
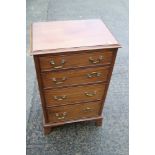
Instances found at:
x=82 y=138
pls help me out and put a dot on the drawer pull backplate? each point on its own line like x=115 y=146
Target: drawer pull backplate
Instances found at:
x=87 y=109
x=93 y=74
x=60 y=98
x=57 y=67
x=61 y=115
x=90 y=94
x=55 y=80
x=96 y=61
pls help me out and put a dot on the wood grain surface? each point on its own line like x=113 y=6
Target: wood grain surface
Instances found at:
x=72 y=95
x=70 y=60
x=73 y=112
x=74 y=77
x=60 y=36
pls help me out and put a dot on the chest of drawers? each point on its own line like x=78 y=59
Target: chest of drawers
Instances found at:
x=74 y=62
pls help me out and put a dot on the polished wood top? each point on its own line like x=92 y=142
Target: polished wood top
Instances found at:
x=75 y=35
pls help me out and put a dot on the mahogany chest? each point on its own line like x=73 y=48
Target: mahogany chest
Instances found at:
x=74 y=62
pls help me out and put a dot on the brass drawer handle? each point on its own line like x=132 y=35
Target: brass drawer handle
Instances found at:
x=93 y=74
x=57 y=67
x=87 y=109
x=96 y=61
x=60 y=98
x=90 y=94
x=61 y=115
x=59 y=82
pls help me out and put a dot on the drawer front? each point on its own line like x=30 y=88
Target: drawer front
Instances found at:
x=73 y=77
x=55 y=62
x=74 y=94
x=73 y=112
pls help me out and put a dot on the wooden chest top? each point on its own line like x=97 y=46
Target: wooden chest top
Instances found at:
x=75 y=35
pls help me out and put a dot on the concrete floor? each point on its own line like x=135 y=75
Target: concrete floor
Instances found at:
x=82 y=138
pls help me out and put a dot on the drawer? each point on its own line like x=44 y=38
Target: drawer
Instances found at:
x=55 y=62
x=74 y=94
x=74 y=77
x=73 y=112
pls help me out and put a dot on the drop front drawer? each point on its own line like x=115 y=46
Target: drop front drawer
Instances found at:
x=74 y=94
x=73 y=112
x=75 y=77
x=55 y=62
